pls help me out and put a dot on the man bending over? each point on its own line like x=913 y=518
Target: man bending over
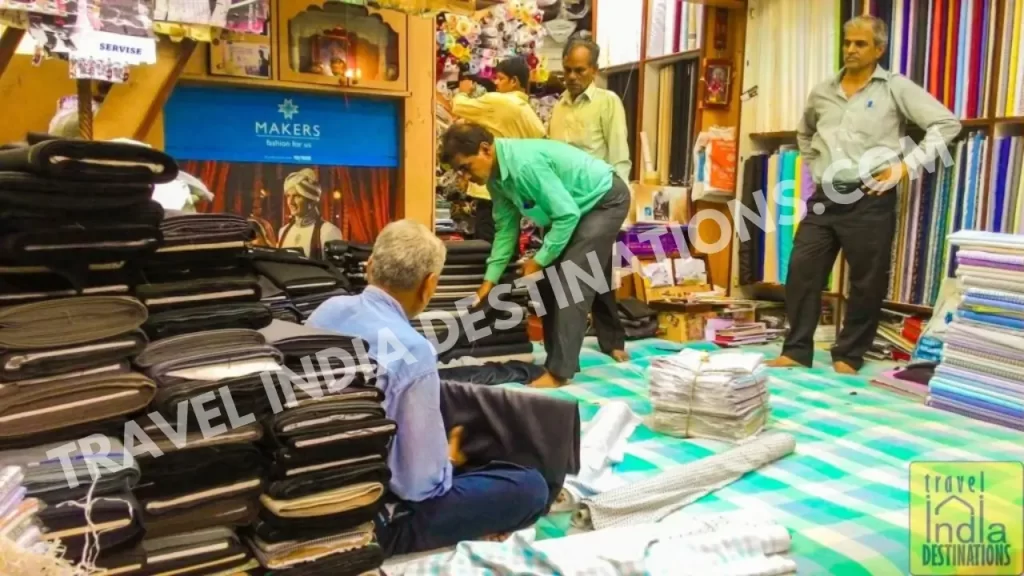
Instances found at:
x=433 y=505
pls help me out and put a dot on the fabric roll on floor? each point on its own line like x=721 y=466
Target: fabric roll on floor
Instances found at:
x=207 y=551
x=18 y=365
x=113 y=523
x=296 y=553
x=653 y=499
x=544 y=434
x=88 y=160
x=69 y=321
x=362 y=561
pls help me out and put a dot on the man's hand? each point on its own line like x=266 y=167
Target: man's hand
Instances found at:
x=530 y=266
x=482 y=292
x=466 y=86
x=886 y=180
x=455 y=447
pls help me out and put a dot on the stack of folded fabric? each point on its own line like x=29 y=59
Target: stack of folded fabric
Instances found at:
x=740 y=334
x=638 y=320
x=69 y=204
x=499 y=335
x=979 y=375
x=113 y=521
x=64 y=367
x=18 y=522
x=350 y=258
x=304 y=283
x=722 y=396
x=328 y=453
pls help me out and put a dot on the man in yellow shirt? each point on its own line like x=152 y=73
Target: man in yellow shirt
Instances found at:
x=594 y=120
x=505 y=113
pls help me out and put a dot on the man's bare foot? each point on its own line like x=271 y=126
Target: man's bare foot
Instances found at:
x=783 y=362
x=843 y=368
x=548 y=380
x=620 y=355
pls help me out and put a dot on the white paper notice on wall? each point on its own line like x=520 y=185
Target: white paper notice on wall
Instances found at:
x=128 y=50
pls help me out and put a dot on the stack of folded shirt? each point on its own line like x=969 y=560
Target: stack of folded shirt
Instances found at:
x=64 y=364
x=306 y=283
x=328 y=452
x=113 y=522
x=722 y=396
x=983 y=349
x=17 y=512
x=71 y=203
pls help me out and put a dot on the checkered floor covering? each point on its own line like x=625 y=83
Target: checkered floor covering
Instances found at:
x=843 y=495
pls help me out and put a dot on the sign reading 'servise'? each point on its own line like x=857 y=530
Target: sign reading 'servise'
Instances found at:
x=120 y=49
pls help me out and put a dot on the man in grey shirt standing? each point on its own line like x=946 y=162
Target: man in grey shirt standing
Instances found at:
x=851 y=133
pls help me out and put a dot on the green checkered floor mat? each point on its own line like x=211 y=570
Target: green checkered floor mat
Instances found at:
x=843 y=495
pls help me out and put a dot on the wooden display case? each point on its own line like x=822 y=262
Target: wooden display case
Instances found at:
x=333 y=43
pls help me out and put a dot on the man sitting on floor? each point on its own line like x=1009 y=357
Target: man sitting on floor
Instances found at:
x=433 y=506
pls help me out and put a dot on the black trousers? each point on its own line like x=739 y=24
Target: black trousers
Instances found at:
x=566 y=325
x=864 y=231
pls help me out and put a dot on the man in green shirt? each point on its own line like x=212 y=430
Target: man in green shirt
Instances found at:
x=577 y=199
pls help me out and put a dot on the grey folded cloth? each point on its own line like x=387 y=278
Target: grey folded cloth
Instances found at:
x=68 y=321
x=208 y=551
x=28 y=410
x=296 y=340
x=46 y=479
x=653 y=499
x=209 y=341
x=221 y=364
x=27 y=364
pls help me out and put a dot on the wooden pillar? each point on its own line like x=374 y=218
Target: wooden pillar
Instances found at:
x=130 y=109
x=9 y=45
x=418 y=140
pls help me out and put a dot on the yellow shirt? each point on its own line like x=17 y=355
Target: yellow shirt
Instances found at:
x=505 y=115
x=595 y=123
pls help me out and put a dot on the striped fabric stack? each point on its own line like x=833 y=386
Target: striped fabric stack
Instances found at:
x=980 y=374
x=675 y=26
x=947 y=46
x=974 y=193
x=770 y=246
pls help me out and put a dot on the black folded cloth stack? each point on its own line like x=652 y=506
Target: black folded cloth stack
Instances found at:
x=69 y=204
x=327 y=450
x=294 y=284
x=200 y=279
x=114 y=512
x=639 y=320
x=350 y=258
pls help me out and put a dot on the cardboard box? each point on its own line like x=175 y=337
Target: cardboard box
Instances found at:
x=647 y=292
x=660 y=203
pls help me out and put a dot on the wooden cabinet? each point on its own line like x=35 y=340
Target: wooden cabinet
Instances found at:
x=338 y=44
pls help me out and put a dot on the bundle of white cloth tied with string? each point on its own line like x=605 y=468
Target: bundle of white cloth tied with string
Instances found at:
x=722 y=396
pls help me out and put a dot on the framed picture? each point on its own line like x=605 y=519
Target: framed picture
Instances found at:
x=243 y=58
x=717 y=83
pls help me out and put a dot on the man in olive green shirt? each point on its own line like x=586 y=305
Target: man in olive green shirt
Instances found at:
x=579 y=200
x=590 y=118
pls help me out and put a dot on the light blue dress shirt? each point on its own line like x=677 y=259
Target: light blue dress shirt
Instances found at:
x=419 y=463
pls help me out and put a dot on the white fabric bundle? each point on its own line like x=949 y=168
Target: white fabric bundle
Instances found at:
x=722 y=396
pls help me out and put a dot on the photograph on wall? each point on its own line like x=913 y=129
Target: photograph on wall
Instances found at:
x=240 y=58
x=303 y=207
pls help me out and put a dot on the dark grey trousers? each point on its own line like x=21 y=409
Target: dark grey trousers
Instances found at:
x=568 y=300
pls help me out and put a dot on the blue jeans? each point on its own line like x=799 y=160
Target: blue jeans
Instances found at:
x=496 y=499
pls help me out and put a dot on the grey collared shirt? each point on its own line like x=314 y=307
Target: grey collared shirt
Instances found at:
x=846 y=139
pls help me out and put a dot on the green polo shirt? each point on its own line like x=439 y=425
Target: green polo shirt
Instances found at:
x=551 y=183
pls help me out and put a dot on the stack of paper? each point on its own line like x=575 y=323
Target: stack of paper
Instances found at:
x=722 y=396
x=747 y=333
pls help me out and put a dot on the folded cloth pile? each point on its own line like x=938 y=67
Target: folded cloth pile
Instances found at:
x=17 y=511
x=302 y=284
x=350 y=258
x=979 y=376
x=71 y=203
x=200 y=279
x=107 y=477
x=326 y=481
x=486 y=334
x=65 y=364
x=328 y=450
x=215 y=551
x=722 y=396
x=638 y=320
x=221 y=370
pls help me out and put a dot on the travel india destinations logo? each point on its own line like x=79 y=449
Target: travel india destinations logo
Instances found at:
x=967 y=518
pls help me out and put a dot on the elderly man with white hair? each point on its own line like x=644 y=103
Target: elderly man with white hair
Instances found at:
x=434 y=504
